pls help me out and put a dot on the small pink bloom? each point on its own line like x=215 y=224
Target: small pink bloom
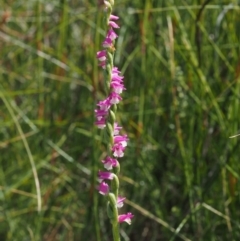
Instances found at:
x=115 y=70
x=101 y=114
x=117 y=78
x=117 y=87
x=105 y=175
x=113 y=24
x=125 y=218
x=120 y=201
x=111 y=34
x=103 y=64
x=117 y=128
x=113 y=17
x=118 y=150
x=104 y=104
x=109 y=163
x=101 y=55
x=114 y=98
x=103 y=188
x=121 y=140
x=100 y=123
x=107 y=43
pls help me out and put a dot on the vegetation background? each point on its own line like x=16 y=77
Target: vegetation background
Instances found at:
x=180 y=173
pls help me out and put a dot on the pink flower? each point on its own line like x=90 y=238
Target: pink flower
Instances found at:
x=120 y=142
x=116 y=81
x=109 y=163
x=125 y=218
x=117 y=87
x=101 y=123
x=111 y=23
x=117 y=77
x=105 y=175
x=103 y=188
x=114 y=98
x=113 y=17
x=107 y=42
x=121 y=139
x=103 y=64
x=120 y=201
x=115 y=70
x=101 y=114
x=111 y=34
x=101 y=55
x=104 y=104
x=117 y=128
x=118 y=150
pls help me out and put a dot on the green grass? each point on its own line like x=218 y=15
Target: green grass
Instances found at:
x=180 y=173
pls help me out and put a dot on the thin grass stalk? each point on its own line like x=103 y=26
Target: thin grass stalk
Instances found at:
x=27 y=148
x=185 y=156
x=39 y=72
x=200 y=74
x=95 y=153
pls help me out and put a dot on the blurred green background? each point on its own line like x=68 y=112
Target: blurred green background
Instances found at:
x=180 y=172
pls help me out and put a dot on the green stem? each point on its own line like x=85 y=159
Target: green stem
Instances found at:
x=115 y=230
x=114 y=215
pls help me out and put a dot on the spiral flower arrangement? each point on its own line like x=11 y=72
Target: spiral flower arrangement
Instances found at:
x=105 y=119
